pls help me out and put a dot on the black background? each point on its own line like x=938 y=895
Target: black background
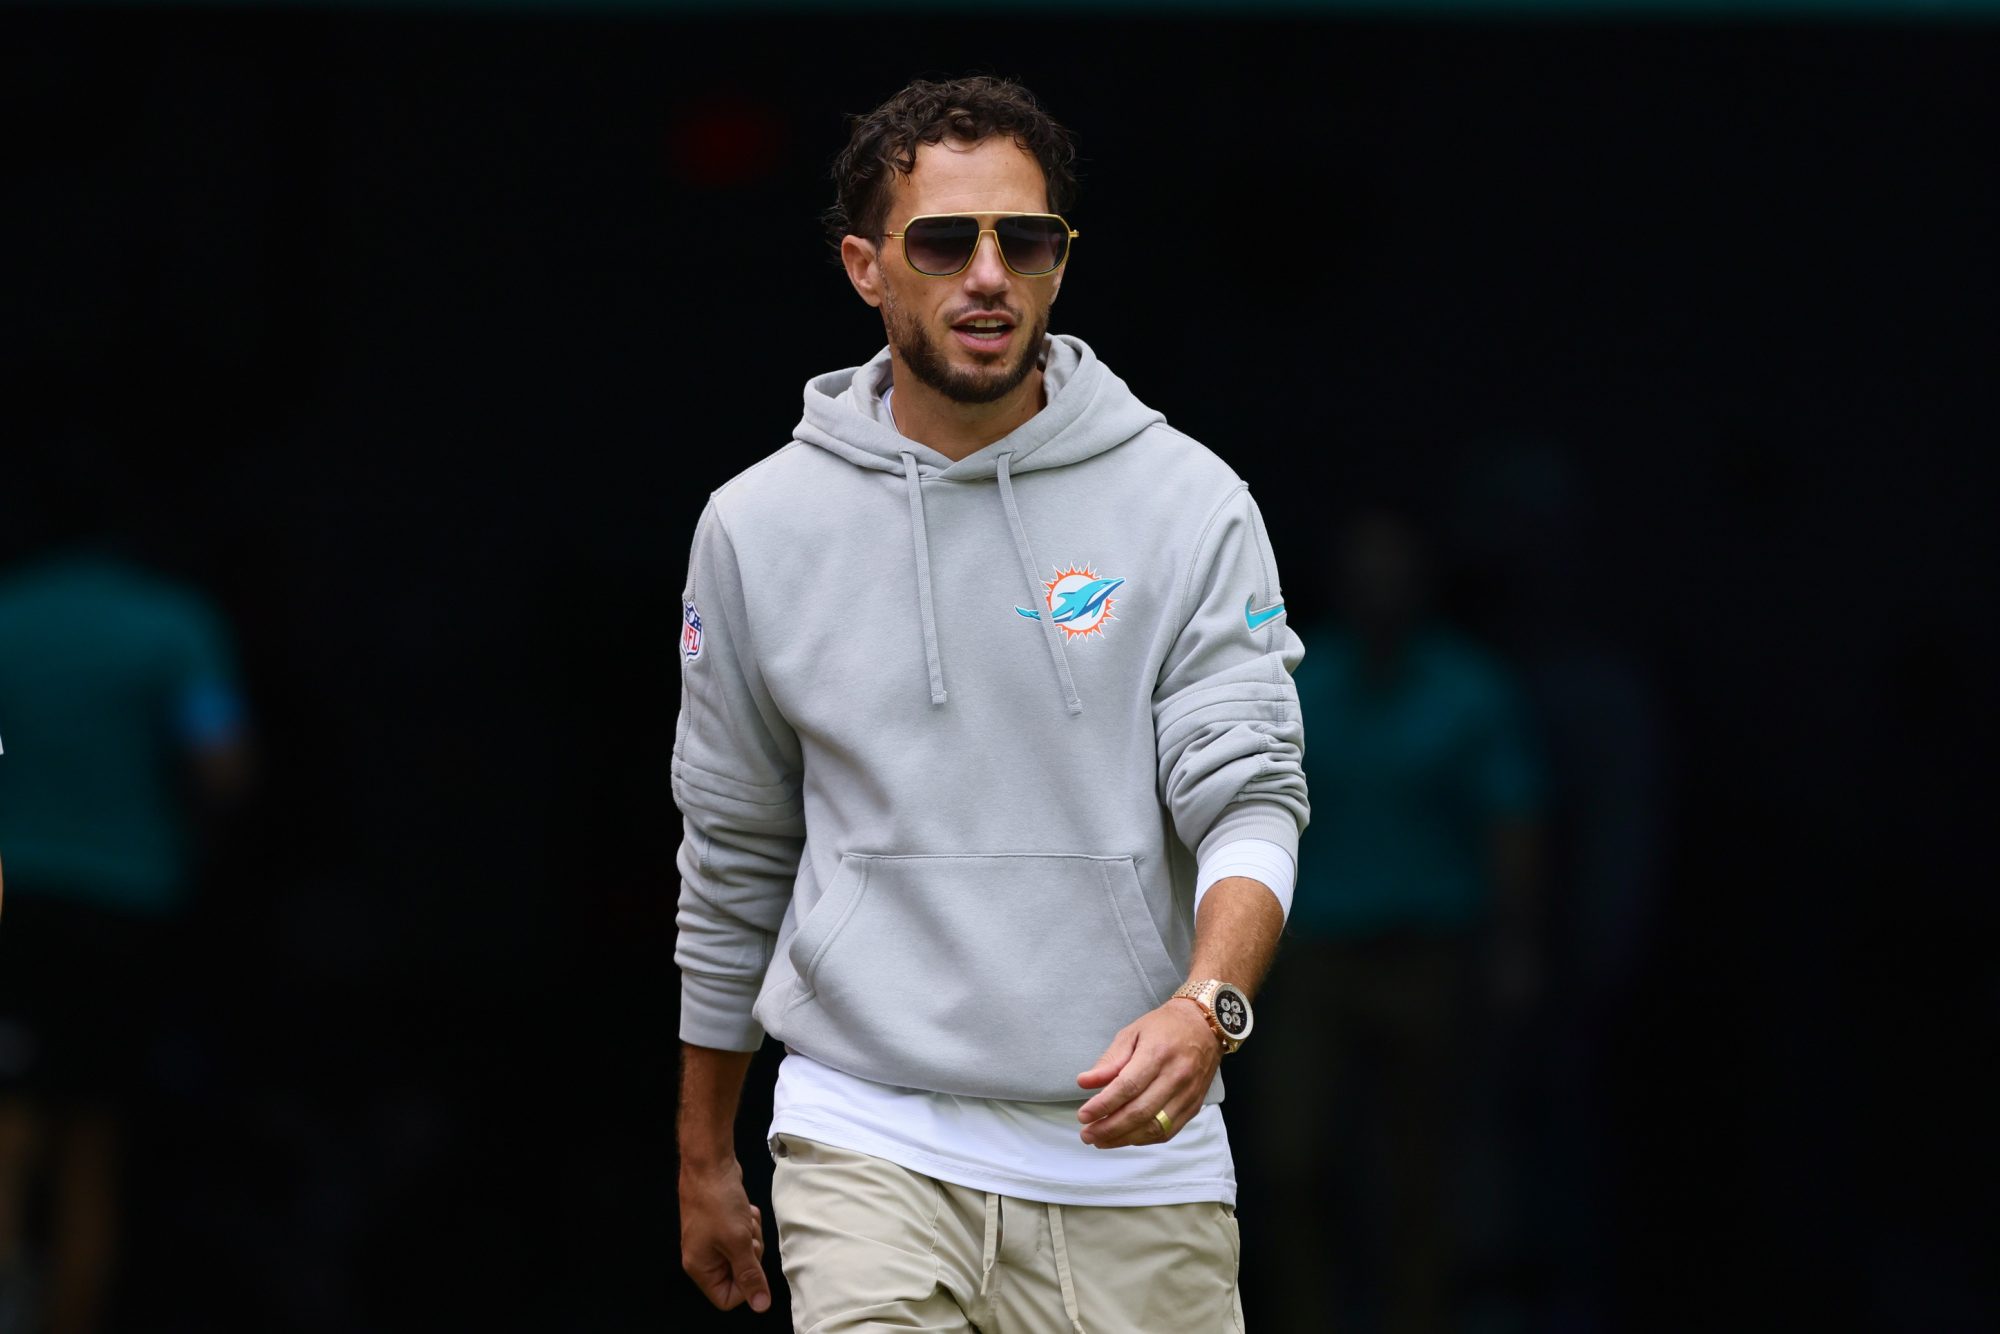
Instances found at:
x=424 y=338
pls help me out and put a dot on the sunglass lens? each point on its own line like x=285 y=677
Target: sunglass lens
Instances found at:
x=1033 y=244
x=940 y=245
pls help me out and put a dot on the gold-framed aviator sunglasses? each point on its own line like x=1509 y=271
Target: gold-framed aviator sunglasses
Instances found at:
x=939 y=245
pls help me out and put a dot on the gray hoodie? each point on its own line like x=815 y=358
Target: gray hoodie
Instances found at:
x=949 y=732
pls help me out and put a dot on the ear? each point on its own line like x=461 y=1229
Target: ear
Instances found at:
x=863 y=261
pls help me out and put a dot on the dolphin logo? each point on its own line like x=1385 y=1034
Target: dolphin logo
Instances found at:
x=1077 y=603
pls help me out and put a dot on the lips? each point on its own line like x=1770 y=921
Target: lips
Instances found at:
x=986 y=331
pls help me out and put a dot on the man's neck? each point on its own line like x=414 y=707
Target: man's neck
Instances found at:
x=956 y=429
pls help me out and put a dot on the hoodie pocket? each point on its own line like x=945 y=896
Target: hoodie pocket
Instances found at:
x=1001 y=976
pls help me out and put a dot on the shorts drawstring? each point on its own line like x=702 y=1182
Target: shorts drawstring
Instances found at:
x=1062 y=1269
x=992 y=1244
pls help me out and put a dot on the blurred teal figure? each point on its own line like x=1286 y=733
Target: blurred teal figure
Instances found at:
x=121 y=717
x=112 y=682
x=1414 y=917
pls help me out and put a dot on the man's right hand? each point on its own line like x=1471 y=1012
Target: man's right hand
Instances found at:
x=722 y=1237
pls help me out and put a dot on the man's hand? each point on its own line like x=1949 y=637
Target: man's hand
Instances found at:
x=1162 y=1061
x=722 y=1237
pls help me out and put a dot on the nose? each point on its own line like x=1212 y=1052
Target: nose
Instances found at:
x=987 y=274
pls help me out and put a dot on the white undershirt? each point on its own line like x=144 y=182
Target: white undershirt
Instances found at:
x=1029 y=1150
x=1256 y=859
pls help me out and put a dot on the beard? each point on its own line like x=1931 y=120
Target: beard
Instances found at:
x=926 y=360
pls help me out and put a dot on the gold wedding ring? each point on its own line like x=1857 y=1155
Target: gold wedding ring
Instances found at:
x=1165 y=1122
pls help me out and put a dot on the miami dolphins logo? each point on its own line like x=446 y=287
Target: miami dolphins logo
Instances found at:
x=1078 y=602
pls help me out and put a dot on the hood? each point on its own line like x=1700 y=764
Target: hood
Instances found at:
x=1089 y=410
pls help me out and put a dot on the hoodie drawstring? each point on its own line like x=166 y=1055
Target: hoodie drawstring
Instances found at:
x=921 y=540
x=1037 y=594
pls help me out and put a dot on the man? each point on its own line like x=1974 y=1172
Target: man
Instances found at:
x=124 y=725
x=990 y=763
x=1413 y=931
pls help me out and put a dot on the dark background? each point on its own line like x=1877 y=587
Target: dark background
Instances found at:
x=425 y=336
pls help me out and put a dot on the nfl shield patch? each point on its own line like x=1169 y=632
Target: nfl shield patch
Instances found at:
x=690 y=632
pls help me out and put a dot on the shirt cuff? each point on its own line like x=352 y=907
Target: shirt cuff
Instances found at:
x=1257 y=859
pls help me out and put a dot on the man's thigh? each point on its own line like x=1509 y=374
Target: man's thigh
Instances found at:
x=1148 y=1269
x=867 y=1244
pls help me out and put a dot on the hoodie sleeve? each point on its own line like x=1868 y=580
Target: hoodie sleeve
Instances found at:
x=1225 y=713
x=736 y=771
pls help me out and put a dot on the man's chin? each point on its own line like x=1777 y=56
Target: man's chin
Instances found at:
x=966 y=376
x=986 y=383
x=978 y=390
x=990 y=378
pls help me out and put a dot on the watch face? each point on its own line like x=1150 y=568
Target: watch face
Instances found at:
x=1232 y=1012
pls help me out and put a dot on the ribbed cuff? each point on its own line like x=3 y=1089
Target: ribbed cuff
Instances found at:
x=715 y=1012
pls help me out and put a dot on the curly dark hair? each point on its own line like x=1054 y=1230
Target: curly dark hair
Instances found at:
x=969 y=109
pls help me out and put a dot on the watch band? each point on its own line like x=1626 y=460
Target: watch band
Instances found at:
x=1205 y=992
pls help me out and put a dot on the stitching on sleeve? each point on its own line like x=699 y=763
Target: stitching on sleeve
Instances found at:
x=1200 y=546
x=1260 y=534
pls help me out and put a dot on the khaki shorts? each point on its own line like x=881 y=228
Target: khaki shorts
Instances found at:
x=870 y=1245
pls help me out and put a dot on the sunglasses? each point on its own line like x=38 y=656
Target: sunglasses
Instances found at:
x=939 y=245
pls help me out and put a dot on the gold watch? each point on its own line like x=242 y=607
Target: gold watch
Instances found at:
x=1225 y=1007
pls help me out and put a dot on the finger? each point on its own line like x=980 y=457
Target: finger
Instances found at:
x=751 y=1282
x=1114 y=1059
x=731 y=1272
x=1134 y=1123
x=720 y=1289
x=1139 y=1074
x=1127 y=1066
x=1146 y=1129
x=1178 y=1092
x=1119 y=1094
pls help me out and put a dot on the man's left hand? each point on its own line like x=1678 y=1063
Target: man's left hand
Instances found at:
x=1161 y=1061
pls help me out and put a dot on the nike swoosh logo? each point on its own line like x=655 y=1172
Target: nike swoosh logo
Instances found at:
x=1258 y=619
